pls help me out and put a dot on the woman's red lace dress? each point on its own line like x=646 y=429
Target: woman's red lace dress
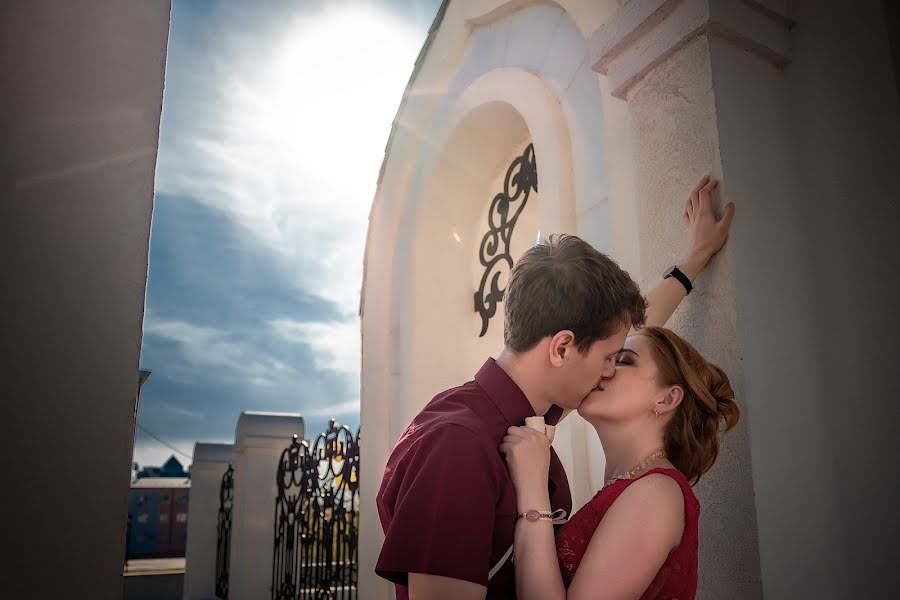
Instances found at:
x=677 y=579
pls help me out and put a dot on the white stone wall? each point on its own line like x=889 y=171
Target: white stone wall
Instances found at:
x=259 y=440
x=482 y=97
x=209 y=465
x=79 y=113
x=793 y=107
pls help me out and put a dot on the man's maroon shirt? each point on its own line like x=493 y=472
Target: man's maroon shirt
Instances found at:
x=446 y=502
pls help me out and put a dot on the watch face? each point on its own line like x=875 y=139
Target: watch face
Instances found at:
x=532 y=515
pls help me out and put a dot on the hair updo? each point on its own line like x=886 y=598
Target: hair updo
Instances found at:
x=708 y=408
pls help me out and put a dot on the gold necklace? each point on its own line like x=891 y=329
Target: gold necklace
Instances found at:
x=660 y=453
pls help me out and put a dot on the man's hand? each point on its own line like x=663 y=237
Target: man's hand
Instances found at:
x=707 y=233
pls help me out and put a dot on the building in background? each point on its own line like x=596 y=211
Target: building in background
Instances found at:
x=171 y=468
x=158 y=516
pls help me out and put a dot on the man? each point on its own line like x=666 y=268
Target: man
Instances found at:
x=446 y=501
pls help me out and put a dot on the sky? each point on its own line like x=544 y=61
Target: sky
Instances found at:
x=275 y=118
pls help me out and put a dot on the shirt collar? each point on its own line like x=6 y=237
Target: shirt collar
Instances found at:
x=508 y=397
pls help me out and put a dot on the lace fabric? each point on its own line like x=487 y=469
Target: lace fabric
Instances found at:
x=676 y=579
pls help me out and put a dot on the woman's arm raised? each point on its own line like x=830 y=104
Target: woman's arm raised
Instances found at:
x=707 y=236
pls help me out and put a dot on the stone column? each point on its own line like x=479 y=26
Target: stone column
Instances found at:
x=210 y=463
x=259 y=440
x=704 y=83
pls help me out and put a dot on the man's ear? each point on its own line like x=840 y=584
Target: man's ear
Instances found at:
x=561 y=346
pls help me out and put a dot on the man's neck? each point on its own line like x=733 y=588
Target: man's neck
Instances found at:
x=521 y=370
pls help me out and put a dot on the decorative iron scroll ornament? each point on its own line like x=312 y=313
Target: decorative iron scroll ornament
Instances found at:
x=317 y=518
x=223 y=532
x=494 y=253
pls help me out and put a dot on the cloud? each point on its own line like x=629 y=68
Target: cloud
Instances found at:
x=336 y=345
x=207 y=352
x=275 y=122
x=181 y=412
x=292 y=139
x=335 y=410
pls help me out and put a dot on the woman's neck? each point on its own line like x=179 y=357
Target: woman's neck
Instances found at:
x=626 y=446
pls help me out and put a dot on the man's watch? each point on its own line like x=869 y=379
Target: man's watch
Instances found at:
x=680 y=276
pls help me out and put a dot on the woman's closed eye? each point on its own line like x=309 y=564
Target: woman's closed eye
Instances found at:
x=625 y=357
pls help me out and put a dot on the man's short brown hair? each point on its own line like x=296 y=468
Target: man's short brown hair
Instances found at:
x=563 y=283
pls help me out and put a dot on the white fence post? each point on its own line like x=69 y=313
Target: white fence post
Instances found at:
x=210 y=463
x=259 y=440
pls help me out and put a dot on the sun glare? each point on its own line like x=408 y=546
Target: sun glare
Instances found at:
x=306 y=118
x=325 y=102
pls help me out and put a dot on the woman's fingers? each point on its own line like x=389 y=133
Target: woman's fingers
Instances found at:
x=727 y=217
x=706 y=194
x=524 y=433
x=703 y=181
x=694 y=198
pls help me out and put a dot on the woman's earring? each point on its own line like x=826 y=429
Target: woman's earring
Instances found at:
x=656 y=412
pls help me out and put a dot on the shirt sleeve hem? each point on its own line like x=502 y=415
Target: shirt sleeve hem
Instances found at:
x=401 y=575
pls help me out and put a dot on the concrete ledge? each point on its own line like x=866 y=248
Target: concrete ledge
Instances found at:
x=644 y=33
x=215 y=454
x=266 y=428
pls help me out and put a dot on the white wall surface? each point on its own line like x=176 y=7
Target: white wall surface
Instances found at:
x=82 y=86
x=675 y=141
x=799 y=504
x=477 y=62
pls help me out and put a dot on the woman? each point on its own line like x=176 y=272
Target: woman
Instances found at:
x=658 y=420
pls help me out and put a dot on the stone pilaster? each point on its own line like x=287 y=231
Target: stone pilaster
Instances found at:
x=704 y=83
x=210 y=463
x=259 y=440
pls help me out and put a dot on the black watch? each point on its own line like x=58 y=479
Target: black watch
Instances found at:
x=677 y=274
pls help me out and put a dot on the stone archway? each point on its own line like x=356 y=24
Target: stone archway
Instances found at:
x=463 y=121
x=437 y=342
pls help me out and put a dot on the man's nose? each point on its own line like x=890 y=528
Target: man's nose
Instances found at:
x=609 y=370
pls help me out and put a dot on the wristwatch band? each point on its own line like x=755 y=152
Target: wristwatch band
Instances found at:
x=680 y=276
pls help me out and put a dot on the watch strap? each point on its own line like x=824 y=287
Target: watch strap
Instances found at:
x=680 y=276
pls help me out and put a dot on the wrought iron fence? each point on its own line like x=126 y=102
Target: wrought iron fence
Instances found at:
x=317 y=518
x=223 y=532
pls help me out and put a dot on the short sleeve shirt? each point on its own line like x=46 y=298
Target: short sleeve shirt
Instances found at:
x=446 y=502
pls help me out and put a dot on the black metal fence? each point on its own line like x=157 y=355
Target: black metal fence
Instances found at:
x=223 y=532
x=317 y=518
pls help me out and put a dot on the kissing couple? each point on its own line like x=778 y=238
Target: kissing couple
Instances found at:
x=475 y=503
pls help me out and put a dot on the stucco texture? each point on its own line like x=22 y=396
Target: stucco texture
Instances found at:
x=674 y=140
